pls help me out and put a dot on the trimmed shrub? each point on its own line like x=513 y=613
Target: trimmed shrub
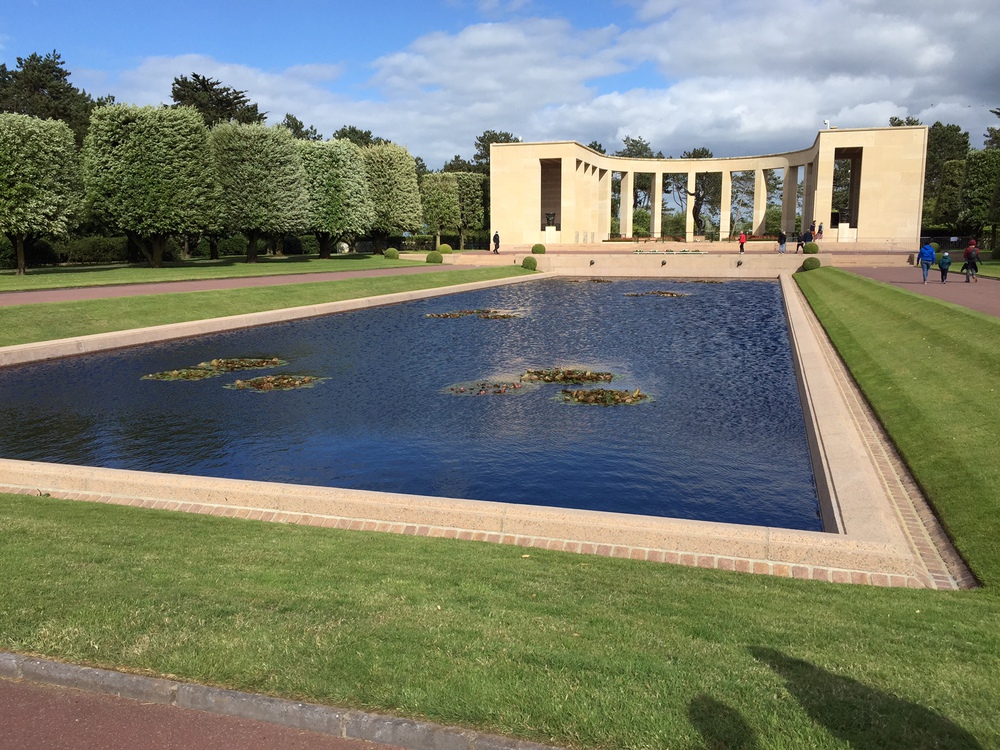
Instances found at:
x=444 y=248
x=392 y=253
x=530 y=263
x=538 y=249
x=93 y=249
x=811 y=248
x=434 y=257
x=810 y=264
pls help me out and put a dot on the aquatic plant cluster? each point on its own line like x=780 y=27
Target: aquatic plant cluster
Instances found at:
x=215 y=367
x=484 y=314
x=657 y=294
x=570 y=377
x=603 y=396
x=486 y=388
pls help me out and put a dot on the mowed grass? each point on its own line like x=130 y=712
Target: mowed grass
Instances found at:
x=570 y=650
x=931 y=370
x=46 y=321
x=61 y=277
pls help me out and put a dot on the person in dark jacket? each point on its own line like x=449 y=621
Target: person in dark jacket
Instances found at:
x=971 y=258
x=496 y=242
x=782 y=239
x=944 y=264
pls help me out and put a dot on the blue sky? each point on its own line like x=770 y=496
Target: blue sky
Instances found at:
x=741 y=77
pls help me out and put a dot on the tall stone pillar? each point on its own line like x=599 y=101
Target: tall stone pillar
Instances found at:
x=759 y=201
x=656 y=205
x=625 y=209
x=789 y=199
x=726 y=205
x=689 y=219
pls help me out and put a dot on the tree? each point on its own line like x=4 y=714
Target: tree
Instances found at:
x=217 y=103
x=898 y=122
x=358 y=137
x=458 y=164
x=992 y=135
x=39 y=180
x=481 y=159
x=40 y=87
x=707 y=193
x=439 y=201
x=339 y=205
x=147 y=171
x=473 y=190
x=944 y=143
x=262 y=181
x=979 y=207
x=392 y=183
x=597 y=146
x=299 y=130
x=639 y=148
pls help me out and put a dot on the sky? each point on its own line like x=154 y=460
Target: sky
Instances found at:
x=740 y=77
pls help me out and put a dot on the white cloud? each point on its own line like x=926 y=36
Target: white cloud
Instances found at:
x=738 y=76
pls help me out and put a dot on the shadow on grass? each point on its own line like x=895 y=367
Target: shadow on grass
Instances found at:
x=863 y=716
x=721 y=727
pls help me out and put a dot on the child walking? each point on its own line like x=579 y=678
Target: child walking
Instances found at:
x=944 y=264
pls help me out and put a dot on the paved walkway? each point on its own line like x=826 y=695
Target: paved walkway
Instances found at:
x=203 y=285
x=35 y=716
x=982 y=295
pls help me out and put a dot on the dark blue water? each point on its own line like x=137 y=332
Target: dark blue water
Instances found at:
x=723 y=439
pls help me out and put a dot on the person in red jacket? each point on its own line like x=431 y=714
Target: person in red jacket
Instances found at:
x=743 y=240
x=971 y=259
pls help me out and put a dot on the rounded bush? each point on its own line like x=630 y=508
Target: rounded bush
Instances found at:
x=811 y=248
x=444 y=248
x=529 y=263
x=392 y=253
x=936 y=246
x=538 y=249
x=810 y=264
x=434 y=257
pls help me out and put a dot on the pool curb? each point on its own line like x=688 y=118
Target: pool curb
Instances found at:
x=881 y=542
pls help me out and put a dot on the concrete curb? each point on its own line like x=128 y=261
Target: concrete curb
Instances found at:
x=343 y=723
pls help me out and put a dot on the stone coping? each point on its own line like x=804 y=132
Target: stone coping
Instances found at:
x=870 y=541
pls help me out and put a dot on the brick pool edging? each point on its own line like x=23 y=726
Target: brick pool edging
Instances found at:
x=884 y=539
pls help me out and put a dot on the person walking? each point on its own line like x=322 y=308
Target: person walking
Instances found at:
x=496 y=242
x=944 y=264
x=805 y=237
x=926 y=258
x=819 y=232
x=971 y=259
x=782 y=239
x=743 y=240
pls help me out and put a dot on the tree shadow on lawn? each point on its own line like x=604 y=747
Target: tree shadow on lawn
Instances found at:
x=863 y=716
x=721 y=727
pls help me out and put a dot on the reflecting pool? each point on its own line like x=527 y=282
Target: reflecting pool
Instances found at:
x=722 y=438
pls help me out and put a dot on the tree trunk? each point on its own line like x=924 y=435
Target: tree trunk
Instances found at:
x=252 y=236
x=140 y=243
x=461 y=239
x=157 y=243
x=325 y=242
x=437 y=239
x=213 y=247
x=18 y=243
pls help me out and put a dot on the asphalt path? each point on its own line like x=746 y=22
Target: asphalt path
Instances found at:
x=982 y=295
x=172 y=287
x=47 y=717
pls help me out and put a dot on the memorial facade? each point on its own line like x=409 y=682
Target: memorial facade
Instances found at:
x=561 y=192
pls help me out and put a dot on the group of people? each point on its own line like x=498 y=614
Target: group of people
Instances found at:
x=927 y=257
x=805 y=237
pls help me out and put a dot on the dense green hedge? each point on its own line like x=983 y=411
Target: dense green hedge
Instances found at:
x=811 y=248
x=392 y=253
x=538 y=249
x=530 y=263
x=434 y=257
x=444 y=248
x=810 y=264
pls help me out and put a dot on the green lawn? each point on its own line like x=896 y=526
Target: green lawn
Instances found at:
x=560 y=648
x=228 y=267
x=43 y=322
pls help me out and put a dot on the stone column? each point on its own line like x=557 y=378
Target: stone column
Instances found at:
x=789 y=199
x=625 y=209
x=689 y=219
x=656 y=205
x=726 y=205
x=759 y=201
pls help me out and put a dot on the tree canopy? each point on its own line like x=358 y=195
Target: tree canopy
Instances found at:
x=39 y=86
x=992 y=134
x=439 y=201
x=392 y=181
x=147 y=171
x=298 y=129
x=337 y=184
x=481 y=159
x=39 y=180
x=262 y=181
x=217 y=103
x=358 y=137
